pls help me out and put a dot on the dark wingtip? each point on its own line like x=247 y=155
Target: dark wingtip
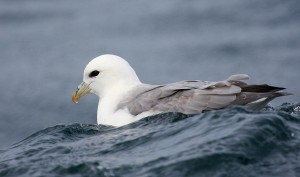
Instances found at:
x=278 y=88
x=261 y=88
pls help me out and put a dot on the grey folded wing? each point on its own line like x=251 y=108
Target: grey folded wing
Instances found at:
x=189 y=97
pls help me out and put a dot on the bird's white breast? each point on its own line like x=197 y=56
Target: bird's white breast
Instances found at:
x=108 y=114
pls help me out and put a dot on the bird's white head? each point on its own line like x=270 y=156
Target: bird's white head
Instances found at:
x=104 y=73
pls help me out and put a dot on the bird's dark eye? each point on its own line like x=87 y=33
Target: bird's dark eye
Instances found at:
x=94 y=73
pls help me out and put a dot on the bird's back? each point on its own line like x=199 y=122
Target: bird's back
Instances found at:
x=192 y=97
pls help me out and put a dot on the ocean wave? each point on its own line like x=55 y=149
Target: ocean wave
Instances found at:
x=229 y=142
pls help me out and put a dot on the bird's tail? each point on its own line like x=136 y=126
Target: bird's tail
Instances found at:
x=261 y=103
x=257 y=97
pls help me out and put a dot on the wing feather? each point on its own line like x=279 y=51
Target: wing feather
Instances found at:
x=192 y=97
x=189 y=97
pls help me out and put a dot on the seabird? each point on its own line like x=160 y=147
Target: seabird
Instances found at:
x=123 y=98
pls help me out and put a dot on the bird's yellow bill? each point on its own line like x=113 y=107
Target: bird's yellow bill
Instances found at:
x=82 y=90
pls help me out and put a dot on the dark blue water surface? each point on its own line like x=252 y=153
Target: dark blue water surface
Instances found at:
x=230 y=142
x=45 y=45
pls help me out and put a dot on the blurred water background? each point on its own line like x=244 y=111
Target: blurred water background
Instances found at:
x=45 y=45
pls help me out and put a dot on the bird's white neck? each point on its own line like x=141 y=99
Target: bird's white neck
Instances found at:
x=107 y=113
